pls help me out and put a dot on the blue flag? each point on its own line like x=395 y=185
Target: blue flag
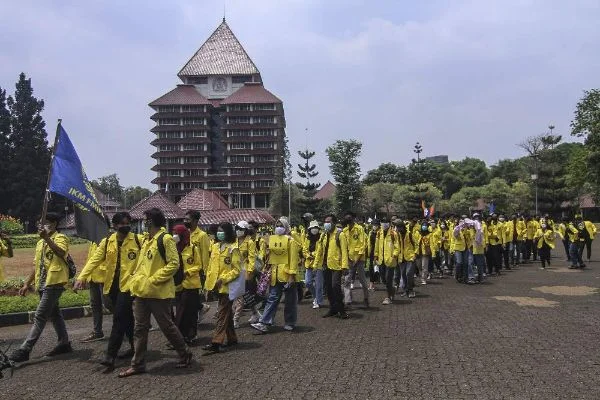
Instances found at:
x=69 y=180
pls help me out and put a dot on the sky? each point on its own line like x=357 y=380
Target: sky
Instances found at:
x=464 y=78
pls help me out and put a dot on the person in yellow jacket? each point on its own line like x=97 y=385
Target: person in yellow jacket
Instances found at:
x=187 y=281
x=562 y=233
x=436 y=246
x=387 y=250
x=425 y=249
x=530 y=249
x=50 y=274
x=574 y=233
x=407 y=253
x=153 y=287
x=494 y=249
x=332 y=255
x=282 y=259
x=478 y=243
x=544 y=240
x=257 y=251
x=314 y=270
x=588 y=238
x=247 y=252
x=96 y=303
x=6 y=250
x=462 y=238
x=374 y=275
x=445 y=246
x=504 y=228
x=225 y=266
x=203 y=242
x=357 y=245
x=117 y=255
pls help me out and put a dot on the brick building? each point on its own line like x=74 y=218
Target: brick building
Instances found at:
x=219 y=130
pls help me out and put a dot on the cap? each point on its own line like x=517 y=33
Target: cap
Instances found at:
x=242 y=225
x=314 y=224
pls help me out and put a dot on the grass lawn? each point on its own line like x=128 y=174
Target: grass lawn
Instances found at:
x=22 y=263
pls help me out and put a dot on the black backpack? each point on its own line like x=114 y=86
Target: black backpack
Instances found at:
x=178 y=277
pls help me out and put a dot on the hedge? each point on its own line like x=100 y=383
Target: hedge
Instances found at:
x=14 y=304
x=29 y=241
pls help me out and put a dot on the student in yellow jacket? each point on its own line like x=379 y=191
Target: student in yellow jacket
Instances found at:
x=282 y=259
x=589 y=238
x=573 y=234
x=118 y=254
x=387 y=250
x=357 y=245
x=50 y=274
x=530 y=249
x=314 y=270
x=6 y=250
x=371 y=239
x=462 y=238
x=544 y=240
x=96 y=281
x=153 y=287
x=332 y=254
x=225 y=266
x=407 y=253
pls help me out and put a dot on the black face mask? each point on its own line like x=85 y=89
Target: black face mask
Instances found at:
x=188 y=225
x=124 y=229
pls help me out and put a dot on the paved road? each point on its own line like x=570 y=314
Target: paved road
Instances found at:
x=529 y=334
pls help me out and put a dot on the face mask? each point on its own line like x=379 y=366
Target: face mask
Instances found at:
x=385 y=226
x=339 y=229
x=47 y=228
x=543 y=226
x=147 y=224
x=176 y=238
x=443 y=226
x=327 y=226
x=239 y=234
x=124 y=229
x=501 y=219
x=314 y=231
x=424 y=228
x=220 y=236
x=279 y=230
x=187 y=225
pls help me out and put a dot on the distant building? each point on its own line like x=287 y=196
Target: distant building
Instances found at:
x=443 y=159
x=326 y=192
x=220 y=130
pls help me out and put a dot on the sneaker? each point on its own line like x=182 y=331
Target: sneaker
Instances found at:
x=236 y=324
x=411 y=294
x=254 y=318
x=315 y=305
x=60 y=349
x=288 y=328
x=352 y=286
x=92 y=337
x=343 y=315
x=402 y=294
x=423 y=282
x=471 y=281
x=259 y=326
x=386 y=301
x=428 y=277
x=543 y=268
x=19 y=355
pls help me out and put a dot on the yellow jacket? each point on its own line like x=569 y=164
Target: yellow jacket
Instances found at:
x=532 y=227
x=98 y=273
x=425 y=246
x=562 y=230
x=192 y=263
x=436 y=240
x=310 y=257
x=225 y=264
x=105 y=257
x=3 y=253
x=445 y=239
x=462 y=239
x=56 y=267
x=283 y=255
x=387 y=247
x=494 y=233
x=591 y=228
x=152 y=278
x=547 y=236
x=357 y=243
x=256 y=251
x=337 y=250
x=407 y=246
x=508 y=229
x=200 y=239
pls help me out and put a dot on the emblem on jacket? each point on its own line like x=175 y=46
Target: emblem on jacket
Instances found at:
x=149 y=255
x=131 y=255
x=190 y=260
x=227 y=260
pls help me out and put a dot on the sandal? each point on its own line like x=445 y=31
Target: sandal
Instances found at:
x=210 y=349
x=185 y=361
x=131 y=372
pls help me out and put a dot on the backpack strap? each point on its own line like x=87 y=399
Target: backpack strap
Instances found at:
x=137 y=241
x=161 y=246
x=106 y=244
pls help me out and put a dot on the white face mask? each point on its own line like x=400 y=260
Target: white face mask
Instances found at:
x=339 y=229
x=501 y=219
x=280 y=230
x=176 y=238
x=314 y=231
x=47 y=228
x=239 y=233
x=385 y=226
x=327 y=226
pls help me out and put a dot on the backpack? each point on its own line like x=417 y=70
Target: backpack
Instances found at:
x=137 y=241
x=71 y=265
x=160 y=244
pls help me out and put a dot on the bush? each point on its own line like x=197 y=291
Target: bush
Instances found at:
x=10 y=225
x=29 y=241
x=14 y=304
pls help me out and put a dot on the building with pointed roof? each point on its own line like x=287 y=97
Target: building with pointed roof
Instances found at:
x=327 y=191
x=221 y=129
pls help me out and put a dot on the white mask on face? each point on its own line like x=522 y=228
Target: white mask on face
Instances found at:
x=280 y=230
x=314 y=231
x=176 y=238
x=385 y=226
x=339 y=229
x=239 y=233
x=47 y=228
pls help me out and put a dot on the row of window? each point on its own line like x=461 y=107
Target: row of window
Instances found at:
x=181 y=109
x=251 y=145
x=221 y=185
x=251 y=132
x=251 y=120
x=251 y=107
x=181 y=135
x=186 y=160
x=201 y=172
x=183 y=147
x=244 y=158
x=182 y=121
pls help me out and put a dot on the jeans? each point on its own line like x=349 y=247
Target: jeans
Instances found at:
x=514 y=249
x=463 y=270
x=122 y=322
x=46 y=310
x=96 y=306
x=359 y=269
x=314 y=283
x=407 y=272
x=290 y=308
x=576 y=260
x=333 y=285
x=566 y=244
x=426 y=265
x=161 y=309
x=389 y=281
x=479 y=263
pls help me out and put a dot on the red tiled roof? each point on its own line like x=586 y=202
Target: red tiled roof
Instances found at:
x=202 y=200
x=326 y=192
x=586 y=201
x=160 y=201
x=251 y=93
x=182 y=94
x=234 y=216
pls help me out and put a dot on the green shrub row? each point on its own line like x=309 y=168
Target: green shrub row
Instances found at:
x=29 y=241
x=14 y=304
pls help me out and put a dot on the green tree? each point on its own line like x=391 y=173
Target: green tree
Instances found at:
x=464 y=201
x=5 y=154
x=510 y=170
x=519 y=199
x=421 y=171
x=387 y=173
x=307 y=171
x=110 y=186
x=30 y=160
x=379 y=197
x=345 y=168
x=472 y=171
x=134 y=194
x=407 y=198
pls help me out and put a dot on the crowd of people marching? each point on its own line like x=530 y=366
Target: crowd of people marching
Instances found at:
x=245 y=266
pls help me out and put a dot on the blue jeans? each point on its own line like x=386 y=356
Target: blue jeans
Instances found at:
x=46 y=310
x=479 y=263
x=314 y=282
x=96 y=306
x=576 y=260
x=407 y=271
x=290 y=310
x=464 y=269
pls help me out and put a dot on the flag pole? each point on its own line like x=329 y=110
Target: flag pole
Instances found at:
x=47 y=190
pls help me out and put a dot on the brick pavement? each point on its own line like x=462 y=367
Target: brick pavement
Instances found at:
x=450 y=342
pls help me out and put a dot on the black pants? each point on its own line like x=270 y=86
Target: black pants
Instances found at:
x=372 y=277
x=566 y=244
x=588 y=245
x=544 y=253
x=122 y=322
x=528 y=249
x=333 y=285
x=383 y=273
x=506 y=255
x=390 y=281
x=186 y=314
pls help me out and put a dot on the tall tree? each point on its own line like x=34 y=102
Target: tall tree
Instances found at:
x=345 y=168
x=308 y=172
x=473 y=171
x=5 y=154
x=388 y=173
x=30 y=161
x=134 y=194
x=110 y=186
x=379 y=198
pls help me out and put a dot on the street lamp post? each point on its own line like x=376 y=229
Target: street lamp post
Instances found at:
x=534 y=178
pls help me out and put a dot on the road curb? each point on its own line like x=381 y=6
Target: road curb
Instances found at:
x=23 y=318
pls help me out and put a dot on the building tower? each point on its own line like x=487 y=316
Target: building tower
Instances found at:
x=219 y=130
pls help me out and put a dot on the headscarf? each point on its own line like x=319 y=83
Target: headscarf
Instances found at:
x=184 y=237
